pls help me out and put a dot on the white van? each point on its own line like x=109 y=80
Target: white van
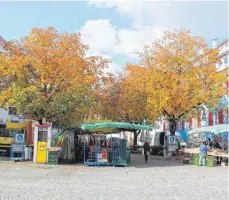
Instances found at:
x=159 y=141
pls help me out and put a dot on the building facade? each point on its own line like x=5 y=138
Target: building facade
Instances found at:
x=223 y=54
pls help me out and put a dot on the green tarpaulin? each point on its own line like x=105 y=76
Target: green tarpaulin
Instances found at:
x=104 y=126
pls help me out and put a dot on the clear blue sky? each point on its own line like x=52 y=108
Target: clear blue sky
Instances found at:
x=208 y=19
x=18 y=18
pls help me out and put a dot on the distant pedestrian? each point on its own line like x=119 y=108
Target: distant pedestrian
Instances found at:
x=146 y=151
x=177 y=149
x=203 y=154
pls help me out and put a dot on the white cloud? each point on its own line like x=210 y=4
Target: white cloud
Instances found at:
x=100 y=34
x=104 y=38
x=141 y=12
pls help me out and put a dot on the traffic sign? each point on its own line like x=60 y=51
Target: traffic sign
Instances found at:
x=19 y=139
x=171 y=139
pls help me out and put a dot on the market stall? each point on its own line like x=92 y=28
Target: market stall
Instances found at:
x=101 y=150
x=192 y=155
x=196 y=137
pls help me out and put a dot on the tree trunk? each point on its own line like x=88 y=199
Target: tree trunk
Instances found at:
x=135 y=138
x=172 y=127
x=40 y=121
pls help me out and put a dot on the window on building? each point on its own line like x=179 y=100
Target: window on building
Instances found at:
x=226 y=60
x=219 y=66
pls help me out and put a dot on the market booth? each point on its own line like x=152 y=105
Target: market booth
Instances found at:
x=100 y=149
x=197 y=135
x=21 y=140
x=195 y=138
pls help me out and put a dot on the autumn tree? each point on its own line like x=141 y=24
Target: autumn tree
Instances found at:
x=122 y=100
x=48 y=75
x=178 y=74
x=107 y=98
x=132 y=105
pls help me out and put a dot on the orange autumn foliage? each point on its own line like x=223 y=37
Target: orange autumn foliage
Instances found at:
x=176 y=74
x=48 y=75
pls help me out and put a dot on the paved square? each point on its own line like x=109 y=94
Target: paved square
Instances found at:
x=158 y=180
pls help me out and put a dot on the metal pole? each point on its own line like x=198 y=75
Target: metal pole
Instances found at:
x=84 y=148
x=94 y=142
x=111 y=149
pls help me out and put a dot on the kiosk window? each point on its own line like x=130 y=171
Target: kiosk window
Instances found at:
x=42 y=136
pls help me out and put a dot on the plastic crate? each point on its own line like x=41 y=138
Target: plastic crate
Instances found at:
x=119 y=163
x=53 y=158
x=53 y=162
x=210 y=161
x=195 y=159
x=53 y=153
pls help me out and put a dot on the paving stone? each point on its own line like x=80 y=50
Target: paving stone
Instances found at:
x=159 y=179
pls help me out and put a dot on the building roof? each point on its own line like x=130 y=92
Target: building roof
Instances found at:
x=222 y=43
x=223 y=54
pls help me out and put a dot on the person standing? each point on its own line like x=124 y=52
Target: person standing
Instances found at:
x=146 y=151
x=217 y=146
x=177 y=149
x=203 y=154
x=209 y=144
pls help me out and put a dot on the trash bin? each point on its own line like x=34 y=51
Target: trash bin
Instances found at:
x=53 y=156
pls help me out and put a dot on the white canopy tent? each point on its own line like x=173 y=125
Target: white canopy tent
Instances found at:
x=197 y=135
x=216 y=129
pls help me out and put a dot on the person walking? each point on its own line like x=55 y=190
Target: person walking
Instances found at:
x=146 y=151
x=203 y=154
x=177 y=149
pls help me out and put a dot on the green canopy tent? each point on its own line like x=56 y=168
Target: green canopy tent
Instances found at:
x=105 y=126
x=109 y=128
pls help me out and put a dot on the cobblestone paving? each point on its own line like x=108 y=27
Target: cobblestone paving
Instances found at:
x=159 y=179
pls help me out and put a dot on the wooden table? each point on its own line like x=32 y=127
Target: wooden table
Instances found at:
x=193 y=154
x=215 y=153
